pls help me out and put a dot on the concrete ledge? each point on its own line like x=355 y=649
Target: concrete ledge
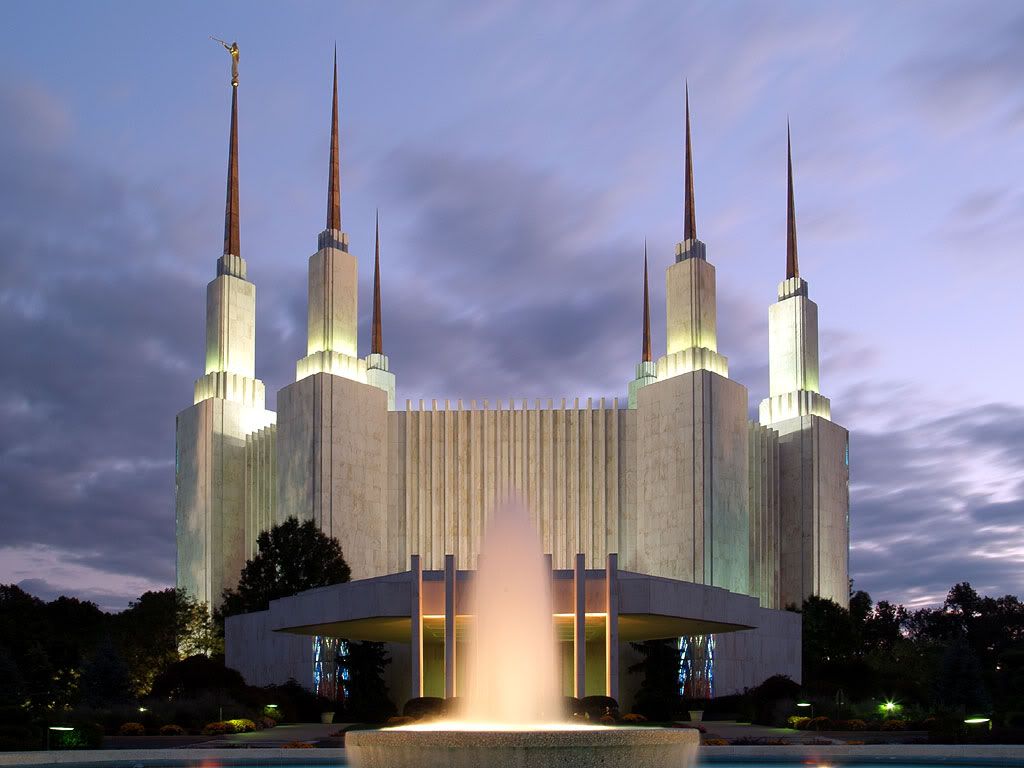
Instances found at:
x=127 y=758
x=575 y=748
x=965 y=754
x=962 y=754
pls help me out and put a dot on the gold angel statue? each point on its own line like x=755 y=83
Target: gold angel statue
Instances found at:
x=233 y=50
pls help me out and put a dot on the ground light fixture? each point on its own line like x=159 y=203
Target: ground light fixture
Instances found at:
x=888 y=707
x=55 y=728
x=979 y=720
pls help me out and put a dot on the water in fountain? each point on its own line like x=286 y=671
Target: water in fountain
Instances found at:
x=513 y=704
x=513 y=669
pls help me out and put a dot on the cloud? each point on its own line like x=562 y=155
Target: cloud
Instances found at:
x=937 y=500
x=968 y=67
x=95 y=345
x=49 y=572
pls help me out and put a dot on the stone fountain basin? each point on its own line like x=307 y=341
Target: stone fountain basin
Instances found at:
x=555 y=748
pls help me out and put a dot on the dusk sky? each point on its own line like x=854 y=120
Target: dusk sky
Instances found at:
x=520 y=154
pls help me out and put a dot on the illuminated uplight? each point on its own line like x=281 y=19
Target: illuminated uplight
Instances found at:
x=803 y=703
x=61 y=728
x=977 y=720
x=888 y=707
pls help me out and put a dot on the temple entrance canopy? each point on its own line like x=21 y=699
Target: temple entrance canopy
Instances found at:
x=595 y=610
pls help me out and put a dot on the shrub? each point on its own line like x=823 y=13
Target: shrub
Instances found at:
x=85 y=736
x=265 y=722
x=15 y=716
x=131 y=729
x=218 y=729
x=572 y=706
x=770 y=701
x=818 y=742
x=242 y=725
x=715 y=743
x=424 y=706
x=194 y=676
x=608 y=719
x=394 y=722
x=634 y=717
x=16 y=738
x=172 y=730
x=799 y=722
x=297 y=745
x=820 y=723
x=894 y=725
x=598 y=706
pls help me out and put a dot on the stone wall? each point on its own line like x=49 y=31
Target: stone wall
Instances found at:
x=748 y=658
x=260 y=485
x=764 y=515
x=814 y=507
x=210 y=494
x=692 y=480
x=565 y=463
x=332 y=464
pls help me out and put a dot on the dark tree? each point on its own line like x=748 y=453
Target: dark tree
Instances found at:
x=106 y=679
x=12 y=685
x=366 y=693
x=960 y=685
x=292 y=557
x=159 y=629
x=658 y=697
x=832 y=650
x=194 y=676
x=37 y=672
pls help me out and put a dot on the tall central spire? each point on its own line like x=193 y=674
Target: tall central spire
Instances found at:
x=334 y=176
x=231 y=245
x=792 y=267
x=646 y=355
x=689 y=216
x=377 y=335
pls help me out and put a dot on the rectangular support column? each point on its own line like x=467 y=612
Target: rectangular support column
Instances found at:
x=449 y=626
x=416 y=638
x=579 y=627
x=611 y=626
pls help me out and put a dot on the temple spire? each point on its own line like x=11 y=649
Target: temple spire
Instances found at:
x=334 y=178
x=377 y=335
x=646 y=355
x=792 y=267
x=231 y=245
x=689 y=216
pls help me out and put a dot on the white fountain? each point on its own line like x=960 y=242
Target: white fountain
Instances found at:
x=513 y=714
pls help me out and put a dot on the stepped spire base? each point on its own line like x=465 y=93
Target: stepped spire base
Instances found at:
x=378 y=375
x=230 y=386
x=792 y=286
x=231 y=265
x=691 y=249
x=332 y=238
x=646 y=373
x=791 y=405
x=329 y=361
x=692 y=359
